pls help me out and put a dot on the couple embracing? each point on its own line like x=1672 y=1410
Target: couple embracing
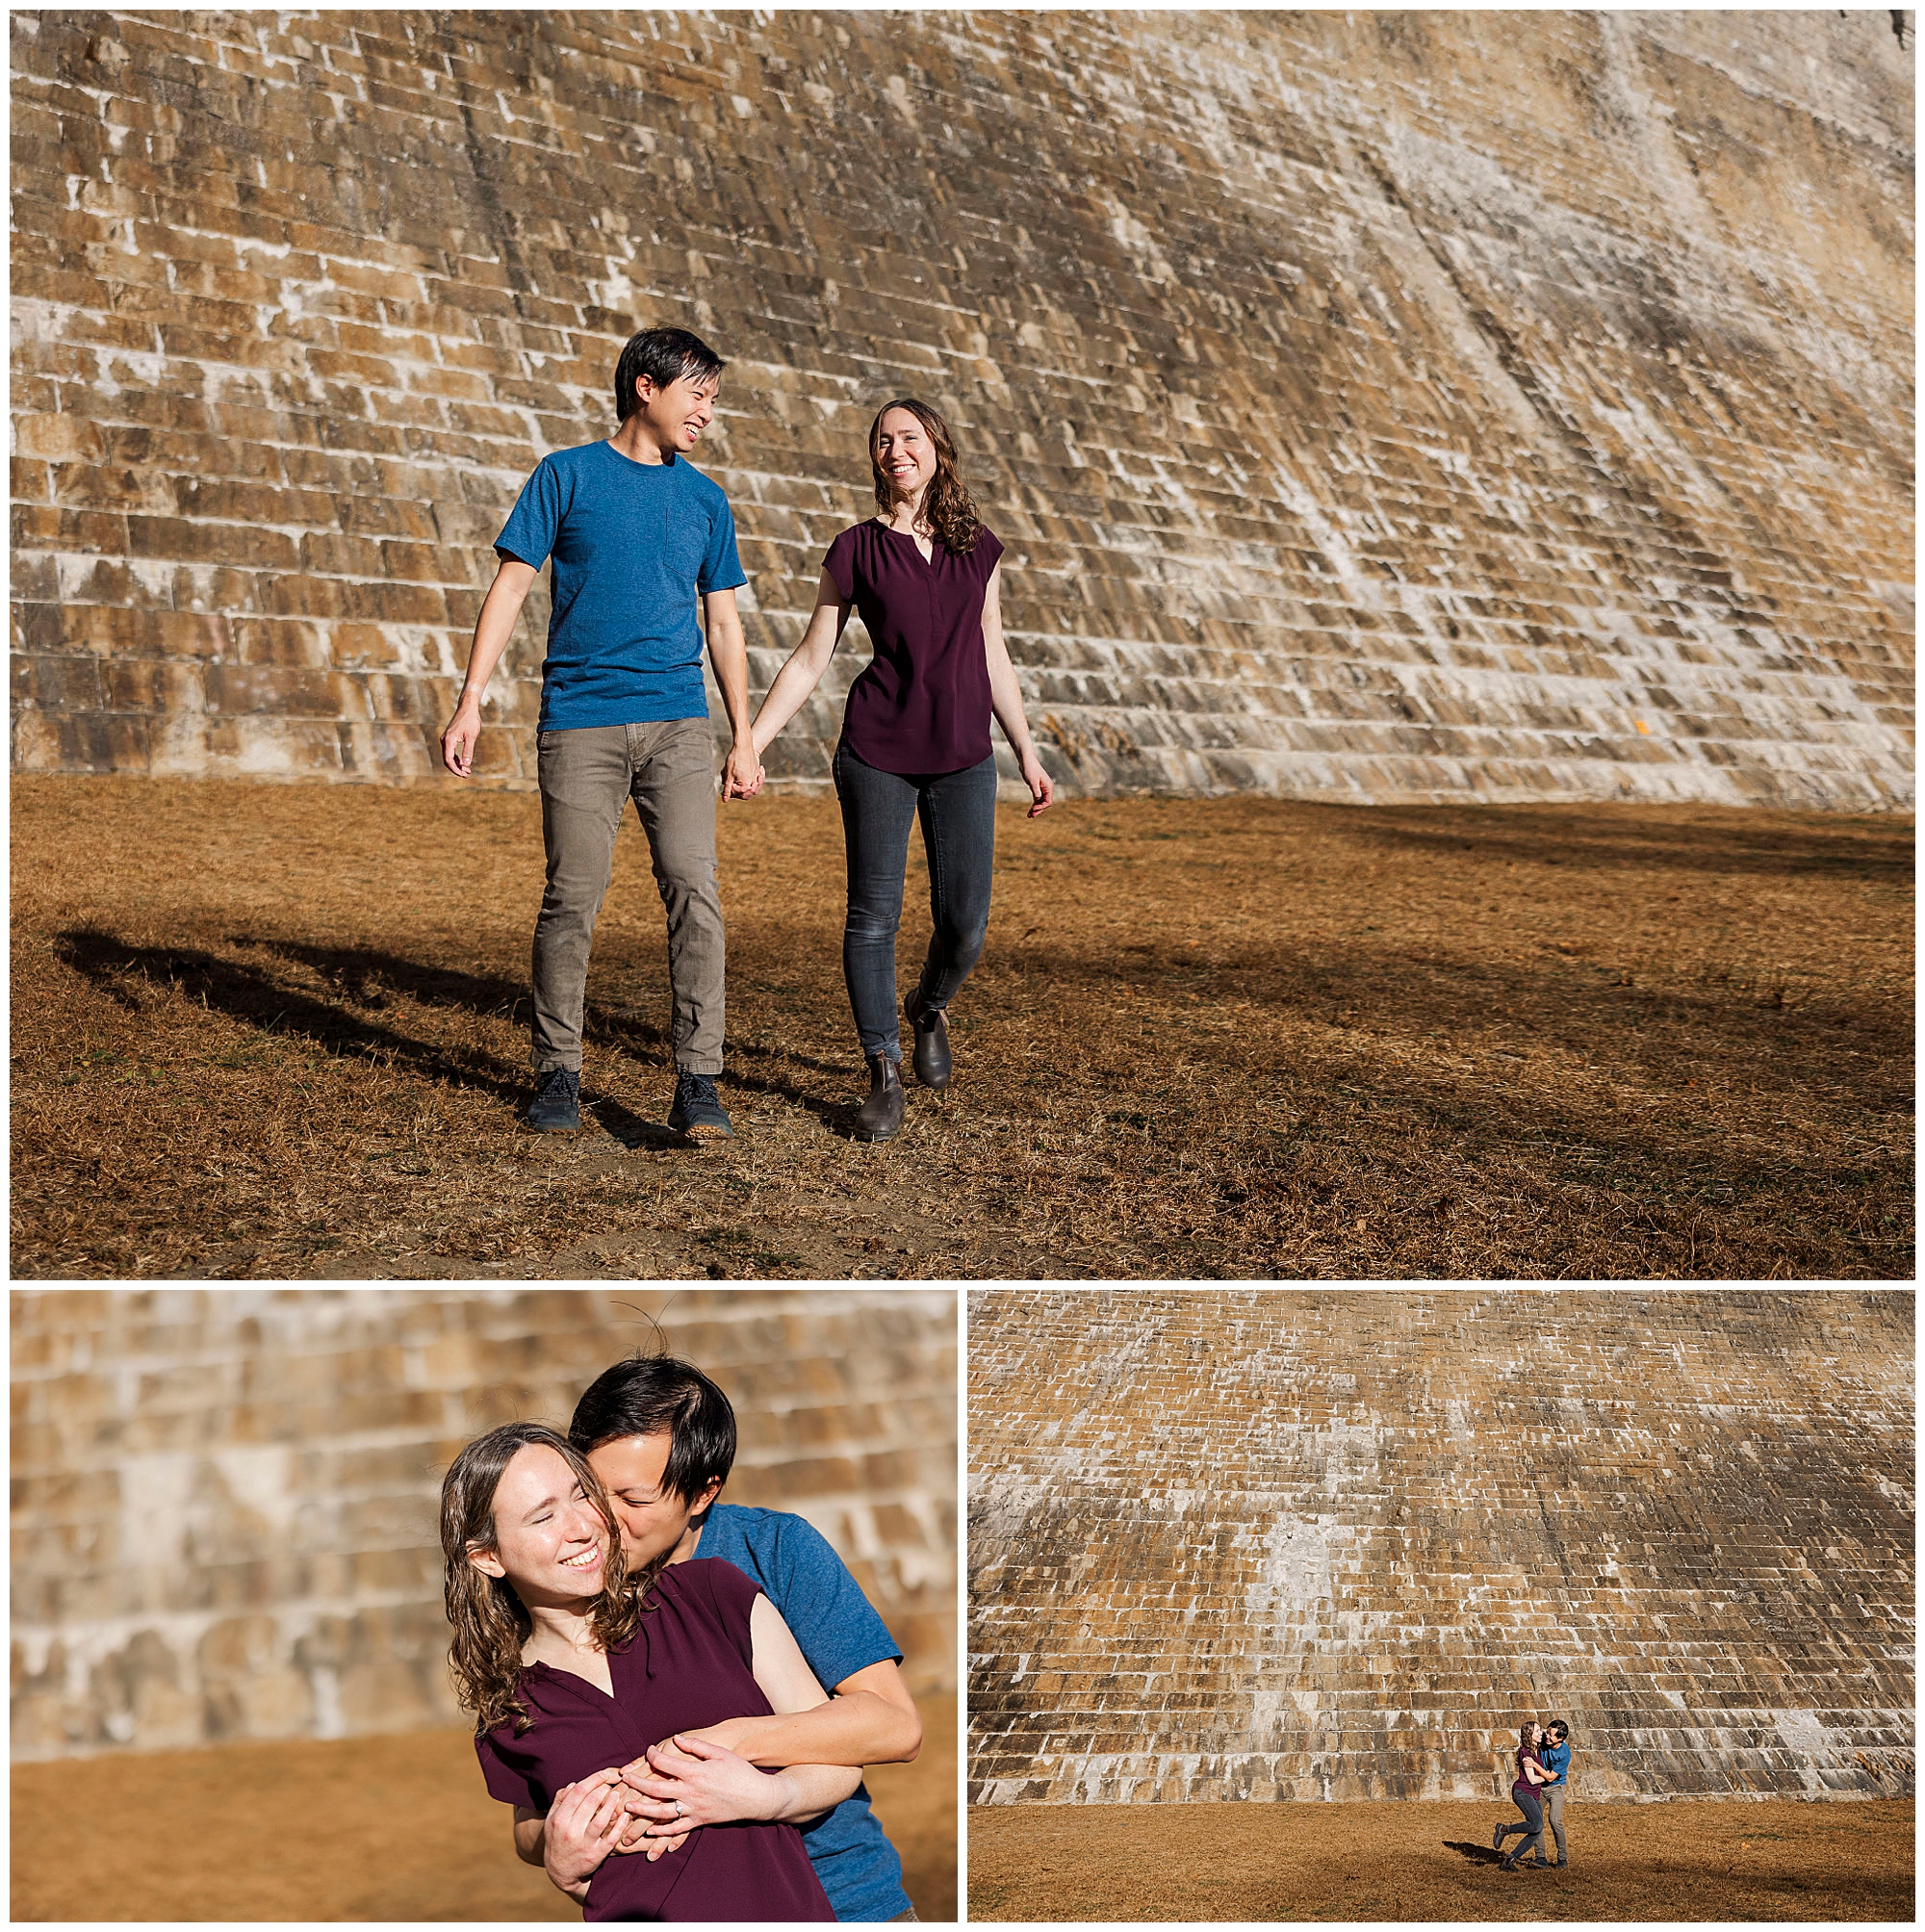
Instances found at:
x=647 y=1666
x=638 y=535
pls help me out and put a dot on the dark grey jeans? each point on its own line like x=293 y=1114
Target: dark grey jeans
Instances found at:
x=958 y=809
x=1532 y=1827
x=587 y=778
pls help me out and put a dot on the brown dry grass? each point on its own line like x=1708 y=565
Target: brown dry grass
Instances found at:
x=1394 y=1863
x=281 y=1031
x=385 y=1828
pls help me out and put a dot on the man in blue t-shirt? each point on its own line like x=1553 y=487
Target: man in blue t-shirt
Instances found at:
x=637 y=533
x=662 y=1438
x=1555 y=1757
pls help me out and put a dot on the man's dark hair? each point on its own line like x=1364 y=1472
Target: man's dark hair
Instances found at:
x=662 y=355
x=652 y=1394
x=1559 y=1725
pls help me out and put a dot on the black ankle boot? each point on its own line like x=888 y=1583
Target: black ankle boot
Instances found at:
x=880 y=1116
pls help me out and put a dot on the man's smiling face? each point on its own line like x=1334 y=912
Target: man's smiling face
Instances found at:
x=653 y=1521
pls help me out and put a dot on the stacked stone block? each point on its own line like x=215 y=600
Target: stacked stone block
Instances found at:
x=1249 y=1544
x=1394 y=406
x=224 y=1503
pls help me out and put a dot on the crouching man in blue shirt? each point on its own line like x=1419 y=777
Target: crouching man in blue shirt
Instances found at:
x=662 y=1438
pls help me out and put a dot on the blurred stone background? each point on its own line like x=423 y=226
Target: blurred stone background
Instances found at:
x=1377 y=405
x=225 y=1501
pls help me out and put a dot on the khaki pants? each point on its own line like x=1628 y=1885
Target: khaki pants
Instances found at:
x=1554 y=1817
x=587 y=778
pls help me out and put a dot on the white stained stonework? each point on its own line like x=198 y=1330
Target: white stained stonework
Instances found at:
x=1264 y=1544
x=1377 y=406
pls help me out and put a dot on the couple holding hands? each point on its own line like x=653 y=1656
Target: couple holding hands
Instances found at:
x=638 y=535
x=647 y=1666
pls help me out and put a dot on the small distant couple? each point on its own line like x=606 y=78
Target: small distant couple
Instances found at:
x=638 y=535
x=1542 y=1772
x=646 y=1667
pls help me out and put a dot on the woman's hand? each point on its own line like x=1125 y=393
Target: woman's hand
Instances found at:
x=1041 y=789
x=582 y=1827
x=644 y=1814
x=693 y=1782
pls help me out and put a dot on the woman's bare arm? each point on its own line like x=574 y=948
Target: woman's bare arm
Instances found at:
x=1006 y=699
x=803 y=670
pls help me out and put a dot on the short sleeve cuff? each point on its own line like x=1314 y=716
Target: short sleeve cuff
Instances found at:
x=503 y=1782
x=841 y=564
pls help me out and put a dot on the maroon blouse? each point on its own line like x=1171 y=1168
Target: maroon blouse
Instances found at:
x=687 y=1667
x=922 y=706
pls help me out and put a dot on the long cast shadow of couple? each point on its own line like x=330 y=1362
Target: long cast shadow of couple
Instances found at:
x=342 y=1016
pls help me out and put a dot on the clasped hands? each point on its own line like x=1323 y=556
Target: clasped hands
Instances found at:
x=742 y=774
x=652 y=1804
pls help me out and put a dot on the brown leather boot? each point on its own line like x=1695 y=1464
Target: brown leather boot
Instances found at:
x=880 y=1116
x=932 y=1041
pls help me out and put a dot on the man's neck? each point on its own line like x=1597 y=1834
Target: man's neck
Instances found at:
x=690 y=1538
x=635 y=441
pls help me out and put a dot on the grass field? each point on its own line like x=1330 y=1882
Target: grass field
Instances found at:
x=374 y=1828
x=281 y=1031
x=1394 y=1862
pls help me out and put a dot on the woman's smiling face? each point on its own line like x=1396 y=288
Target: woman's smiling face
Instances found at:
x=551 y=1542
x=905 y=451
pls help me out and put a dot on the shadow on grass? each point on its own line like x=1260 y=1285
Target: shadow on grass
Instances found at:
x=1873 y=849
x=369 y=978
x=261 y=999
x=1478 y=1854
x=632 y=1130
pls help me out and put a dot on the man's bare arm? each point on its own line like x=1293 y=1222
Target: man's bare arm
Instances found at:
x=869 y=1719
x=493 y=625
x=728 y=653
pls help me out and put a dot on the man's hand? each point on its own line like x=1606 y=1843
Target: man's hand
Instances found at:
x=742 y=775
x=690 y=1781
x=729 y=1734
x=584 y=1824
x=458 y=741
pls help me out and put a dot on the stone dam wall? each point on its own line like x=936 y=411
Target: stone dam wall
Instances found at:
x=1254 y=1544
x=225 y=1501
x=1377 y=406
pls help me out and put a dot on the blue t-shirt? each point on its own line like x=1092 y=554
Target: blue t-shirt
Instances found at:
x=839 y=1634
x=632 y=543
x=1554 y=1757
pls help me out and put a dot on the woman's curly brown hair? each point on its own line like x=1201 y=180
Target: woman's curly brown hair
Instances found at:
x=948 y=510
x=491 y=1622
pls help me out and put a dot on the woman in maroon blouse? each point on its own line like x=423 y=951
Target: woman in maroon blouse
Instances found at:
x=924 y=576
x=575 y=1670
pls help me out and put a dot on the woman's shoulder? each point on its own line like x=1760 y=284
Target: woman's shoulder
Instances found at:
x=855 y=536
x=712 y=1573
